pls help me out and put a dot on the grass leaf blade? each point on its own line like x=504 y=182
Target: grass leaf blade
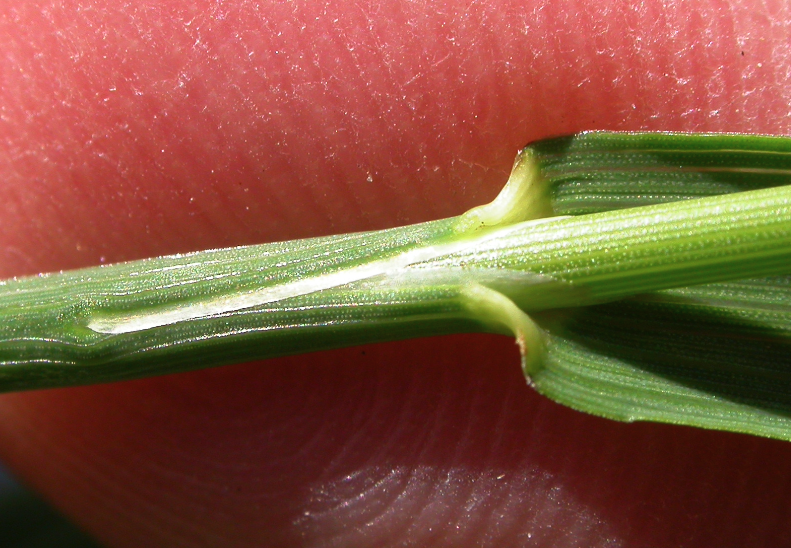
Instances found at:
x=714 y=356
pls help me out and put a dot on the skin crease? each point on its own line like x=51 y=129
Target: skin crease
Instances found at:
x=144 y=128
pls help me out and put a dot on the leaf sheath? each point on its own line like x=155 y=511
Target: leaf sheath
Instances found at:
x=215 y=307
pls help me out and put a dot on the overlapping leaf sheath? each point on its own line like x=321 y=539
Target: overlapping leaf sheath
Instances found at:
x=613 y=279
x=715 y=356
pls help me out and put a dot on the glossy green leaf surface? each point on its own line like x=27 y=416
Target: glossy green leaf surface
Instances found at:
x=600 y=171
x=714 y=356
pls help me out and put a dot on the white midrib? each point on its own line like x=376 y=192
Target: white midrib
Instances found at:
x=391 y=269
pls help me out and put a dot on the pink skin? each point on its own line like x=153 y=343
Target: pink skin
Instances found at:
x=181 y=125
